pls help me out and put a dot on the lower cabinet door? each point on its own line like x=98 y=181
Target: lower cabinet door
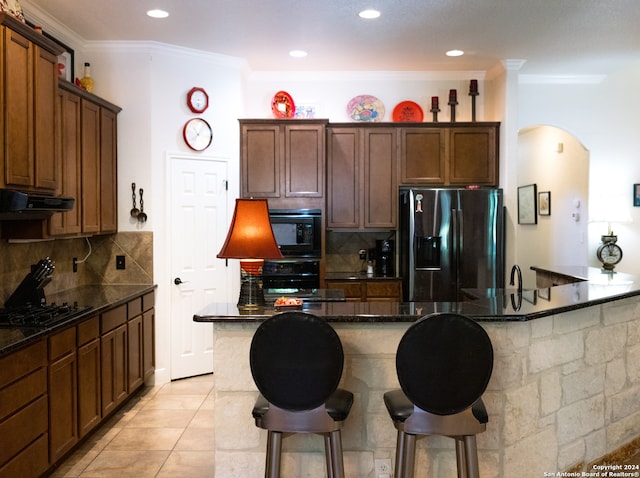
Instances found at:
x=89 y=386
x=134 y=339
x=113 y=350
x=63 y=406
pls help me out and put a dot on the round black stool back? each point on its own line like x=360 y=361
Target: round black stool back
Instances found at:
x=444 y=363
x=296 y=360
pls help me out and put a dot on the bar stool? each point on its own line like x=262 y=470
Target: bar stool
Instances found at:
x=296 y=361
x=444 y=363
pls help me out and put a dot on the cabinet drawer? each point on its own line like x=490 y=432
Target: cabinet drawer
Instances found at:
x=33 y=461
x=18 y=394
x=113 y=318
x=384 y=289
x=88 y=330
x=22 y=362
x=148 y=301
x=62 y=343
x=352 y=289
x=22 y=428
x=134 y=308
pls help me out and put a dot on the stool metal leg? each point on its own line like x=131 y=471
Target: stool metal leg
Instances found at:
x=471 y=454
x=461 y=460
x=274 y=449
x=406 y=463
x=335 y=461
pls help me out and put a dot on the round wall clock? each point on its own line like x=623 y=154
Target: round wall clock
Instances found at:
x=609 y=253
x=197 y=134
x=197 y=99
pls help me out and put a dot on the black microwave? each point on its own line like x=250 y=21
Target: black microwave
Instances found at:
x=298 y=232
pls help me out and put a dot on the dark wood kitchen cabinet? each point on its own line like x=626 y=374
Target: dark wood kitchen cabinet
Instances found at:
x=87 y=137
x=453 y=155
x=369 y=290
x=89 y=382
x=114 y=354
x=99 y=170
x=63 y=399
x=283 y=161
x=362 y=180
x=30 y=63
x=148 y=335
x=135 y=341
x=68 y=137
x=23 y=412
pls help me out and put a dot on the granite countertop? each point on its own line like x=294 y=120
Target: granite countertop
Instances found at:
x=482 y=304
x=97 y=297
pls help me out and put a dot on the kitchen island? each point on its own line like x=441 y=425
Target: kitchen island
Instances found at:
x=564 y=394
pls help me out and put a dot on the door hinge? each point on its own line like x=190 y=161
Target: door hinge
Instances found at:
x=226 y=185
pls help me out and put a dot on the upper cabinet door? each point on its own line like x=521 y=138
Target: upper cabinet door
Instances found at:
x=423 y=155
x=29 y=116
x=18 y=149
x=343 y=178
x=260 y=154
x=473 y=155
x=304 y=160
x=44 y=99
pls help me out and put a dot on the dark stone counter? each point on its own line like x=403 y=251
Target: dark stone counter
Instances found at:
x=594 y=287
x=98 y=297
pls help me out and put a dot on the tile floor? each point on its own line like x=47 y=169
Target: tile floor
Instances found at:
x=164 y=431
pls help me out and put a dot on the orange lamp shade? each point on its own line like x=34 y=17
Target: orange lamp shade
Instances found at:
x=250 y=235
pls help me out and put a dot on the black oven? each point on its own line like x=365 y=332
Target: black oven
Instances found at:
x=298 y=232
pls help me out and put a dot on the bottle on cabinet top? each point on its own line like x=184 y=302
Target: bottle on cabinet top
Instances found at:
x=86 y=81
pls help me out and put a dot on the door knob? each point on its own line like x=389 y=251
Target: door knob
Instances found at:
x=178 y=281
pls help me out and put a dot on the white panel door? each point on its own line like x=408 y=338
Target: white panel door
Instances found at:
x=198 y=225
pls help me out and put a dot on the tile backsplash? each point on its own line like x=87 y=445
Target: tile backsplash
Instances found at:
x=98 y=268
x=342 y=249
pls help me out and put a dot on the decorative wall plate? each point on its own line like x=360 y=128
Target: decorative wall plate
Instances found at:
x=407 y=111
x=282 y=105
x=365 y=108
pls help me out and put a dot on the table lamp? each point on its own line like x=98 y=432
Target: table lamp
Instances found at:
x=250 y=239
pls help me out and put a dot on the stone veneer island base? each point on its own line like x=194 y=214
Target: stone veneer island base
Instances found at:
x=564 y=397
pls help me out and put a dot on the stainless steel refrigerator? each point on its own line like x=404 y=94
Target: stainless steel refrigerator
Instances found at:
x=450 y=239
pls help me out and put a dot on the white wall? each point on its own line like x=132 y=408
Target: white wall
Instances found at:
x=560 y=238
x=602 y=115
x=331 y=91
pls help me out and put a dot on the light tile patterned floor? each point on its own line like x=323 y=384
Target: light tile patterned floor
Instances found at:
x=165 y=431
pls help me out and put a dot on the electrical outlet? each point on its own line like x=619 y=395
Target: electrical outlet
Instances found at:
x=383 y=467
x=120 y=263
x=75 y=264
x=363 y=254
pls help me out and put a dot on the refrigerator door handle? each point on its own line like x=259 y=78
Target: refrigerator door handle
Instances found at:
x=458 y=232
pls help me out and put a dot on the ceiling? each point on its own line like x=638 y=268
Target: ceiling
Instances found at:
x=555 y=37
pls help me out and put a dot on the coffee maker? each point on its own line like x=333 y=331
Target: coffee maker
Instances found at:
x=385 y=258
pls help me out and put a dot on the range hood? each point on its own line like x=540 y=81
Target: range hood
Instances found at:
x=17 y=205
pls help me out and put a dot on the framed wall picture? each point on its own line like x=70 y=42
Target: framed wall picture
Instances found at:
x=66 y=61
x=636 y=195
x=527 y=204
x=544 y=203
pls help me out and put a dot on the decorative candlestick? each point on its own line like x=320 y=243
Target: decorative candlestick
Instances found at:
x=435 y=108
x=473 y=92
x=453 y=101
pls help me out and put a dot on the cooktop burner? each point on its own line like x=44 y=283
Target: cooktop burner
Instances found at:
x=44 y=315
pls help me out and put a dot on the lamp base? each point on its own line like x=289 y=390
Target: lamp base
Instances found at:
x=251 y=292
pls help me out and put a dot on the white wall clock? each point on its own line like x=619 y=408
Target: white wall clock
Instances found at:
x=197 y=134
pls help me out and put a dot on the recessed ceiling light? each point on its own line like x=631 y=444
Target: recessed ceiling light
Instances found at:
x=455 y=53
x=158 y=13
x=369 y=14
x=298 y=53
